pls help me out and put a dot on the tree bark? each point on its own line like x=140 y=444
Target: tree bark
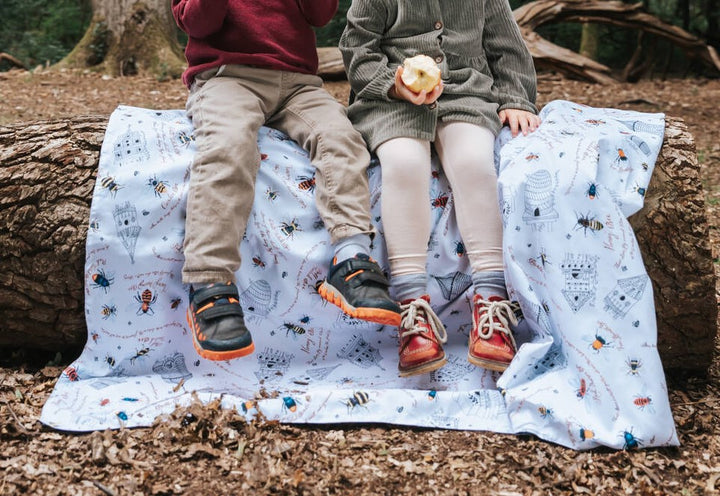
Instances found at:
x=128 y=37
x=47 y=175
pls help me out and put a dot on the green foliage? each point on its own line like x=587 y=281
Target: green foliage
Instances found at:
x=329 y=35
x=42 y=31
x=98 y=44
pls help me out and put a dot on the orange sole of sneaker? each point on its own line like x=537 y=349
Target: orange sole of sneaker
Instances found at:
x=216 y=356
x=488 y=364
x=425 y=368
x=377 y=315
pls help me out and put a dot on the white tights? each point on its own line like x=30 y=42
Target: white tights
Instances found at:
x=466 y=153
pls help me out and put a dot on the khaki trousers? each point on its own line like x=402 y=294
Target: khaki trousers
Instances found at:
x=228 y=105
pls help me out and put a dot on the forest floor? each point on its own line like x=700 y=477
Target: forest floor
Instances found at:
x=204 y=450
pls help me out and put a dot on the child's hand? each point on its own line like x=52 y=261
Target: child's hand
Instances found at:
x=402 y=92
x=519 y=120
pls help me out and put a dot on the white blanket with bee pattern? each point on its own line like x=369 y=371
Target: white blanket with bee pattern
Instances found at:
x=587 y=372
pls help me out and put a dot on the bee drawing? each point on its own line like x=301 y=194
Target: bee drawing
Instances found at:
x=588 y=223
x=289 y=228
x=359 y=398
x=108 y=311
x=159 y=186
x=307 y=183
x=108 y=182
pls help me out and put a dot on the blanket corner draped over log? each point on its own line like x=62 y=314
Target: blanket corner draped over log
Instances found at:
x=587 y=372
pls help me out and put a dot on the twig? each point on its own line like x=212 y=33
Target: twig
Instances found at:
x=104 y=488
x=17 y=420
x=707 y=400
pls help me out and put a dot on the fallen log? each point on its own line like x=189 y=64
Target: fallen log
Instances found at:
x=47 y=175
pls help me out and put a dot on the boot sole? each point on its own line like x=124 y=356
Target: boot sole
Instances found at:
x=378 y=315
x=424 y=368
x=217 y=356
x=488 y=364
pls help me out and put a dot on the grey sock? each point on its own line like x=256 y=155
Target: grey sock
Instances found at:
x=490 y=283
x=351 y=246
x=410 y=286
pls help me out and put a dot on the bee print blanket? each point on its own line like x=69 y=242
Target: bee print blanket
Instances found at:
x=587 y=372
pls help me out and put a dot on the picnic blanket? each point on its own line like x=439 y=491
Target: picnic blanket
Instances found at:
x=587 y=372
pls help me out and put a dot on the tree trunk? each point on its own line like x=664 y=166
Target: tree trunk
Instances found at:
x=47 y=175
x=589 y=40
x=128 y=37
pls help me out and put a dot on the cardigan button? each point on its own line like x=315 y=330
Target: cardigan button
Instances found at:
x=439 y=59
x=438 y=25
x=432 y=106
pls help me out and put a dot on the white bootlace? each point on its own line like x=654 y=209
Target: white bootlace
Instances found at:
x=413 y=314
x=498 y=316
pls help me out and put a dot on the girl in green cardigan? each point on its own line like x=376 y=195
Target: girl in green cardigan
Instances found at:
x=488 y=80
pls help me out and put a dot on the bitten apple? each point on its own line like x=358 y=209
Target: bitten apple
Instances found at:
x=420 y=73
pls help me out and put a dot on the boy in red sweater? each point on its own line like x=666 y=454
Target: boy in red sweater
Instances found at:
x=251 y=64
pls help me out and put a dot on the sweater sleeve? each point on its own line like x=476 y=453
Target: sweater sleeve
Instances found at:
x=199 y=18
x=365 y=63
x=318 y=12
x=515 y=83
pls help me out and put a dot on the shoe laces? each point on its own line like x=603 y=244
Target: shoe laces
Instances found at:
x=498 y=316
x=417 y=316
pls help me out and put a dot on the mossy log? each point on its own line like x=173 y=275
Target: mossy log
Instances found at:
x=47 y=175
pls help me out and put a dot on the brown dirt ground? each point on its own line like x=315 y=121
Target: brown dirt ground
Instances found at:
x=202 y=450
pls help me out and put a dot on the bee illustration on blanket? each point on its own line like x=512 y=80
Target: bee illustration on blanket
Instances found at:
x=185 y=139
x=307 y=183
x=545 y=412
x=289 y=327
x=108 y=182
x=633 y=366
x=159 y=186
x=289 y=228
x=108 y=311
x=271 y=194
x=358 y=399
x=588 y=223
x=440 y=201
x=140 y=353
x=643 y=402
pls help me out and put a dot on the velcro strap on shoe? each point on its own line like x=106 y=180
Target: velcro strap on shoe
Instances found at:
x=370 y=269
x=371 y=276
x=221 y=310
x=215 y=291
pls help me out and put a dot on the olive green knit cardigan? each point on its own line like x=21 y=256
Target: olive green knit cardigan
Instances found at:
x=485 y=64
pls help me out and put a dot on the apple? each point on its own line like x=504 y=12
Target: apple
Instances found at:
x=420 y=73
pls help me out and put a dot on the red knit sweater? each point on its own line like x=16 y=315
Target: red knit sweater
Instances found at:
x=276 y=34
